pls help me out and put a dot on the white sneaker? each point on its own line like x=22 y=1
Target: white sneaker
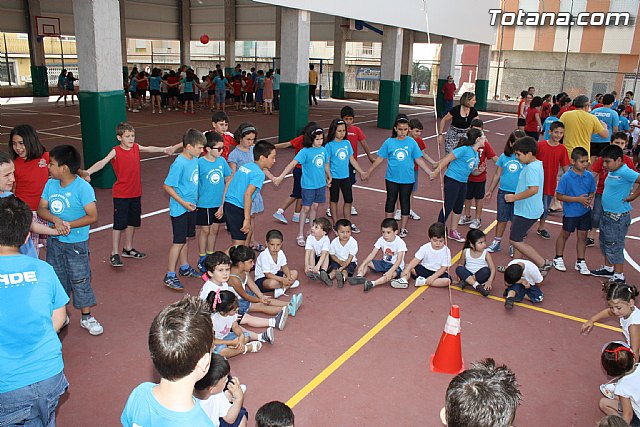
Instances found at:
x=420 y=281
x=414 y=216
x=475 y=224
x=92 y=325
x=329 y=212
x=397 y=216
x=400 y=283
x=558 y=264
x=581 y=266
x=464 y=220
x=354 y=211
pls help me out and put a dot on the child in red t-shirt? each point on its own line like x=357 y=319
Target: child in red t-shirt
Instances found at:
x=533 y=124
x=476 y=185
x=553 y=156
x=545 y=110
x=220 y=124
x=236 y=84
x=127 y=191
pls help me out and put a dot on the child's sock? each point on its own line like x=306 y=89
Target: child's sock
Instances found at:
x=209 y=252
x=498 y=239
x=184 y=266
x=608 y=268
x=278 y=292
x=580 y=259
x=618 y=276
x=280 y=211
x=296 y=215
x=475 y=285
x=171 y=274
x=86 y=316
x=272 y=322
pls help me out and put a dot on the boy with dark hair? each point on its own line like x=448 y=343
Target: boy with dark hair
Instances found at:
x=69 y=199
x=180 y=341
x=221 y=395
x=610 y=119
x=220 y=125
x=576 y=189
x=522 y=277
x=342 y=253
x=316 y=251
x=431 y=261
x=127 y=190
x=546 y=125
x=182 y=186
x=616 y=212
x=33 y=307
x=275 y=414
x=528 y=205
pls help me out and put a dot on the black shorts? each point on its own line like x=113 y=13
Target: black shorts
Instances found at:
x=184 y=226
x=173 y=91
x=206 y=216
x=211 y=92
x=237 y=98
x=142 y=92
x=582 y=223
x=596 y=148
x=133 y=94
x=422 y=271
x=234 y=217
x=522 y=122
x=520 y=227
x=350 y=269
x=260 y=282
x=126 y=213
x=475 y=190
x=296 y=193
x=188 y=96
x=341 y=185
x=154 y=92
x=249 y=96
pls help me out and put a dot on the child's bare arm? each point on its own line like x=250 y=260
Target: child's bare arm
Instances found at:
x=345 y=263
x=365 y=147
x=368 y=259
x=489 y=284
x=601 y=315
x=529 y=192
x=97 y=166
x=406 y=273
x=396 y=265
x=90 y=217
x=172 y=193
x=494 y=182
x=155 y=149
x=634 y=338
x=323 y=257
x=283 y=145
x=237 y=286
x=286 y=170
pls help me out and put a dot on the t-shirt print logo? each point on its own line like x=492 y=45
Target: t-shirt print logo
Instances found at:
x=318 y=161
x=57 y=206
x=342 y=154
x=401 y=154
x=512 y=167
x=214 y=177
x=471 y=163
x=194 y=177
x=388 y=255
x=42 y=163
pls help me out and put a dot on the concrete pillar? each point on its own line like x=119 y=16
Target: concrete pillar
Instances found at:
x=184 y=16
x=123 y=41
x=294 y=64
x=39 y=78
x=406 y=67
x=447 y=67
x=278 y=35
x=389 y=94
x=339 y=53
x=482 y=77
x=102 y=107
x=229 y=35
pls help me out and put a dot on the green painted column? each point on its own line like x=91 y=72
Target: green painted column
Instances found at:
x=440 y=97
x=388 y=103
x=100 y=112
x=337 y=86
x=405 y=89
x=294 y=109
x=39 y=80
x=482 y=91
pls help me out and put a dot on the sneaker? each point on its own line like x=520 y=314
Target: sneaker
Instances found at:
x=296 y=217
x=483 y=291
x=403 y=233
x=189 y=272
x=281 y=318
x=292 y=307
x=475 y=224
x=508 y=303
x=280 y=217
x=398 y=215
x=544 y=268
x=306 y=221
x=544 y=234
x=329 y=212
x=135 y=110
x=298 y=301
x=172 y=282
x=400 y=283
x=607 y=390
x=463 y=284
x=602 y=272
x=420 y=281
x=590 y=242
x=558 y=264
x=312 y=275
x=354 y=211
x=368 y=285
x=414 y=216
x=581 y=266
x=464 y=220
x=294 y=285
x=92 y=325
x=354 y=229
x=495 y=246
x=455 y=235
x=324 y=277
x=268 y=336
x=115 y=261
x=339 y=279
x=357 y=280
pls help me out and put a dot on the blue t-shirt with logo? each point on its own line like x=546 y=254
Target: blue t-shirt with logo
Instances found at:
x=68 y=204
x=154 y=82
x=610 y=118
x=511 y=169
x=617 y=187
x=466 y=160
x=546 y=126
x=574 y=185
x=400 y=155
x=27 y=248
x=211 y=181
x=623 y=125
x=339 y=153
x=29 y=293
x=183 y=177
x=312 y=160
x=143 y=410
x=532 y=175
x=249 y=173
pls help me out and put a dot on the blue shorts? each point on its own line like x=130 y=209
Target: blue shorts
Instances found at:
x=230 y=336
x=71 y=264
x=546 y=202
x=296 y=193
x=380 y=266
x=582 y=223
x=533 y=292
x=261 y=280
x=243 y=304
x=259 y=94
x=612 y=234
x=317 y=195
x=505 y=210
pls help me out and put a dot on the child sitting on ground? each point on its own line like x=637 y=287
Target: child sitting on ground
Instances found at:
x=221 y=396
x=316 y=251
x=275 y=414
x=393 y=249
x=522 y=277
x=618 y=361
x=432 y=260
x=272 y=272
x=476 y=266
x=342 y=253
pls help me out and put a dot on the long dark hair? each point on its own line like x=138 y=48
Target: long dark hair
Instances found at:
x=333 y=127
x=472 y=135
x=310 y=136
x=508 y=147
x=31 y=142
x=400 y=118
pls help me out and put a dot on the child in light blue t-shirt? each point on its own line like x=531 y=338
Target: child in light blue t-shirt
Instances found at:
x=546 y=126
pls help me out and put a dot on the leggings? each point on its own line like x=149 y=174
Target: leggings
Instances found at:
x=393 y=190
x=454 y=194
x=481 y=275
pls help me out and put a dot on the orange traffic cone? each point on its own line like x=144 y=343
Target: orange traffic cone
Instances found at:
x=448 y=357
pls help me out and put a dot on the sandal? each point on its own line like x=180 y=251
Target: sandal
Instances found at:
x=132 y=253
x=252 y=347
x=501 y=268
x=301 y=241
x=546 y=266
x=259 y=247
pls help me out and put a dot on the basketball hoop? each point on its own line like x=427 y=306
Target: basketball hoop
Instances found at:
x=47 y=26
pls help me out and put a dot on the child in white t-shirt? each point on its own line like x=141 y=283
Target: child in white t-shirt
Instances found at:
x=393 y=249
x=431 y=261
x=316 y=251
x=272 y=272
x=618 y=360
x=522 y=277
x=342 y=253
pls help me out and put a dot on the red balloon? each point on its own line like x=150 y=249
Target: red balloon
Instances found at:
x=204 y=39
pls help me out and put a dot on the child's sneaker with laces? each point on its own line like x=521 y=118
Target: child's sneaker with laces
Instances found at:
x=602 y=272
x=544 y=234
x=354 y=211
x=414 y=216
x=420 y=281
x=189 y=272
x=397 y=215
x=475 y=224
x=403 y=233
x=268 y=336
x=400 y=283
x=92 y=325
x=281 y=318
x=558 y=264
x=495 y=246
x=354 y=229
x=280 y=217
x=581 y=266
x=464 y=220
x=329 y=212
x=455 y=235
x=173 y=283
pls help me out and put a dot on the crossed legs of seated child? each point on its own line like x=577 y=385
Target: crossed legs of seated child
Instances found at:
x=391 y=273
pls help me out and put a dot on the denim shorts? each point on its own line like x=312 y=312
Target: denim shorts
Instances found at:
x=380 y=266
x=546 y=202
x=582 y=223
x=33 y=405
x=316 y=195
x=505 y=210
x=71 y=264
x=612 y=235
x=533 y=292
x=596 y=212
x=230 y=336
x=243 y=304
x=520 y=227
